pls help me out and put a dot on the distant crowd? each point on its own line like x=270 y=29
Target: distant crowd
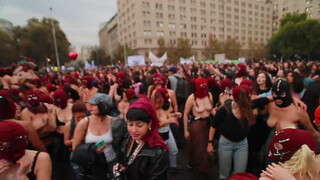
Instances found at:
x=258 y=119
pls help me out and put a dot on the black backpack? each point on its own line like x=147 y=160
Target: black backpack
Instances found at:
x=183 y=90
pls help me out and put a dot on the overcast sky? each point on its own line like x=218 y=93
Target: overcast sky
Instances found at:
x=79 y=19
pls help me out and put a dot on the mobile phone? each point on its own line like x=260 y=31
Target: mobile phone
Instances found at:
x=99 y=144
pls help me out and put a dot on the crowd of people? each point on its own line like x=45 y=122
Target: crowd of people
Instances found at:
x=259 y=119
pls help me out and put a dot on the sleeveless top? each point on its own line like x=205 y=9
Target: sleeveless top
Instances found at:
x=31 y=175
x=107 y=138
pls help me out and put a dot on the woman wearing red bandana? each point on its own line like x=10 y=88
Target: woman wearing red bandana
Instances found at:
x=241 y=72
x=199 y=105
x=161 y=82
x=15 y=161
x=146 y=152
x=39 y=114
x=62 y=109
x=116 y=90
x=87 y=89
x=8 y=113
x=295 y=150
x=233 y=120
x=123 y=105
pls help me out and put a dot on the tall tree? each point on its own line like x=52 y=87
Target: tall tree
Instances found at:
x=162 y=47
x=8 y=49
x=213 y=47
x=35 y=40
x=231 y=48
x=99 y=56
x=118 y=54
x=296 y=37
x=256 y=50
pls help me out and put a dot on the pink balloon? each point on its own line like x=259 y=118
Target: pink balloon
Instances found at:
x=73 y=55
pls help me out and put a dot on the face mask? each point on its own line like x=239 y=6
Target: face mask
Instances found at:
x=201 y=88
x=278 y=88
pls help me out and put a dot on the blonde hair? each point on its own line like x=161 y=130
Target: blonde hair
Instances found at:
x=303 y=163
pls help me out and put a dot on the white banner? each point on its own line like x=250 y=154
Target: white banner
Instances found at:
x=157 y=61
x=242 y=60
x=137 y=60
x=188 y=60
x=219 y=57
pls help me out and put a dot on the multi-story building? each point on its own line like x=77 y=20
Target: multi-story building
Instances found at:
x=7 y=26
x=283 y=7
x=141 y=23
x=85 y=53
x=108 y=36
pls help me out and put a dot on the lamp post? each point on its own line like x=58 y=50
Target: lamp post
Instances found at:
x=55 y=41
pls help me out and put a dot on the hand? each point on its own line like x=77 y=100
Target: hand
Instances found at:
x=100 y=149
x=214 y=110
x=300 y=104
x=187 y=135
x=118 y=167
x=23 y=166
x=4 y=166
x=277 y=172
x=210 y=149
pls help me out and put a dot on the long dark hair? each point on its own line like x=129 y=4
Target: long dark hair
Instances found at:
x=245 y=108
x=256 y=87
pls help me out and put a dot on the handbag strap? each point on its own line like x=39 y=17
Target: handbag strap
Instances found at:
x=88 y=120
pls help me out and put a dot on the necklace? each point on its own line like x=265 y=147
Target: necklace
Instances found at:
x=135 y=153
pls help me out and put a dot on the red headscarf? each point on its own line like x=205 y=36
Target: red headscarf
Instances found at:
x=129 y=93
x=236 y=92
x=46 y=99
x=49 y=87
x=14 y=91
x=317 y=115
x=7 y=108
x=288 y=141
x=163 y=80
x=5 y=94
x=121 y=78
x=241 y=70
x=13 y=141
x=164 y=94
x=212 y=83
x=37 y=82
x=60 y=98
x=224 y=83
x=201 y=87
x=248 y=83
x=88 y=81
x=156 y=79
x=33 y=98
x=152 y=138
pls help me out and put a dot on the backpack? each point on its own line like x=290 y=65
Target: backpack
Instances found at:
x=183 y=90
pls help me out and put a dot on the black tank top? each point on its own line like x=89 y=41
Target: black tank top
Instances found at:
x=31 y=175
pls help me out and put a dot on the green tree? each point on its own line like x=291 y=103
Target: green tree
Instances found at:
x=8 y=49
x=213 y=47
x=118 y=54
x=99 y=56
x=35 y=40
x=162 y=47
x=255 y=50
x=296 y=37
x=295 y=18
x=231 y=48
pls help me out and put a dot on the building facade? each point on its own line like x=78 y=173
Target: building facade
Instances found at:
x=283 y=7
x=108 y=36
x=140 y=24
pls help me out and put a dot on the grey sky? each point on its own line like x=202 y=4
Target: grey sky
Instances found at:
x=79 y=19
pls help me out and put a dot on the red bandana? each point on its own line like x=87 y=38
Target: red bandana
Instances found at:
x=13 y=141
x=152 y=138
x=201 y=87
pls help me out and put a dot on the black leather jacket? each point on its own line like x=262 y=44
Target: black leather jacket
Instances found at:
x=150 y=164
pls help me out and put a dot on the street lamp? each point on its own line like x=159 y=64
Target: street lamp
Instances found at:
x=54 y=40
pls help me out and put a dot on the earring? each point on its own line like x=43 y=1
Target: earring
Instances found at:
x=149 y=128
